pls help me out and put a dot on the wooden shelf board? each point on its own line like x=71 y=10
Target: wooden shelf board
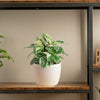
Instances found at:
x=96 y=66
x=33 y=86
x=63 y=1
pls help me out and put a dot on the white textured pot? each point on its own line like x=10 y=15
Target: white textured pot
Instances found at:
x=48 y=76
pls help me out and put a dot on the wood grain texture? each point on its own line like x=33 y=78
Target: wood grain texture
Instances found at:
x=23 y=1
x=96 y=66
x=33 y=86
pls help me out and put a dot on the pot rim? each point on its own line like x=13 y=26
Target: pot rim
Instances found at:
x=49 y=66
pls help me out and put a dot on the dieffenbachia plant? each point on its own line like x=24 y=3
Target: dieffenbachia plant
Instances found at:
x=4 y=54
x=46 y=52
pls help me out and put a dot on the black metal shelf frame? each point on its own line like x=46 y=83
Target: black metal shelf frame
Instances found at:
x=41 y=91
x=89 y=7
x=96 y=69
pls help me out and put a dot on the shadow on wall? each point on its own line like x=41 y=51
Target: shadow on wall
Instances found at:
x=83 y=23
x=40 y=97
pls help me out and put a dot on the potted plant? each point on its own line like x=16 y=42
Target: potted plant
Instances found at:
x=47 y=60
x=4 y=54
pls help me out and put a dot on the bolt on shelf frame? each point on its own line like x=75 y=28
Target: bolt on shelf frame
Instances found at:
x=89 y=7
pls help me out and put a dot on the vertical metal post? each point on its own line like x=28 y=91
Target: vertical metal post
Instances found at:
x=90 y=51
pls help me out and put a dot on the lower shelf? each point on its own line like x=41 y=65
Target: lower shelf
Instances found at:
x=96 y=67
x=33 y=88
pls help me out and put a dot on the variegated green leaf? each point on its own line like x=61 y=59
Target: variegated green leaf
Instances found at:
x=37 y=49
x=43 y=62
x=47 y=38
x=56 y=48
x=58 y=42
x=39 y=42
x=50 y=50
x=54 y=58
x=39 y=55
x=49 y=63
x=34 y=61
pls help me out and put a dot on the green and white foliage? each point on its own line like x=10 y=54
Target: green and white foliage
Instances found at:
x=4 y=54
x=46 y=51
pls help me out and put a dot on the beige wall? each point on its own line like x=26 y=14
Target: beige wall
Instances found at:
x=21 y=28
x=96 y=44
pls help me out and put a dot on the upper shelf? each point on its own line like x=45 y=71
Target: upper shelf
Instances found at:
x=72 y=1
x=49 y=4
x=33 y=88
